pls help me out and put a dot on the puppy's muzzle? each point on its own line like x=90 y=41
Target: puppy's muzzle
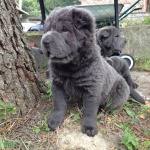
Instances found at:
x=46 y=43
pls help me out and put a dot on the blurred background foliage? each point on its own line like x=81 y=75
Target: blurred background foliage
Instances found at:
x=33 y=7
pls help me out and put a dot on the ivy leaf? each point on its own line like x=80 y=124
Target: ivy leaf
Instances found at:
x=76 y=117
x=129 y=112
x=45 y=127
x=128 y=139
x=37 y=130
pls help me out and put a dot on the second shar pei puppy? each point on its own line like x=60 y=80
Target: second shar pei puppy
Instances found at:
x=78 y=69
x=110 y=40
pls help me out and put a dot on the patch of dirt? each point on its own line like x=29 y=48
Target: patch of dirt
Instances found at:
x=72 y=140
x=69 y=135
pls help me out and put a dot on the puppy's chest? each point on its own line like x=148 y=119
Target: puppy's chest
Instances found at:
x=72 y=87
x=78 y=86
x=69 y=86
x=76 y=83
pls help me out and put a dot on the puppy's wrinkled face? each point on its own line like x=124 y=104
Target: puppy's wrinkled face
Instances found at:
x=65 y=33
x=110 y=40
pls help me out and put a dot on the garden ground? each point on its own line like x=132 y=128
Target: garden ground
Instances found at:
x=126 y=129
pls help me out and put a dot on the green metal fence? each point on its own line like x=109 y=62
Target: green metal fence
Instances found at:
x=131 y=12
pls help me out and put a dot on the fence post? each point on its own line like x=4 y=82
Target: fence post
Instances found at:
x=42 y=11
x=116 y=14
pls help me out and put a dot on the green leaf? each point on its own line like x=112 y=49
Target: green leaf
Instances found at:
x=147 y=144
x=76 y=117
x=2 y=116
x=45 y=127
x=2 y=104
x=108 y=103
x=2 y=145
x=6 y=109
x=49 y=92
x=124 y=126
x=7 y=144
x=37 y=130
x=129 y=112
x=128 y=139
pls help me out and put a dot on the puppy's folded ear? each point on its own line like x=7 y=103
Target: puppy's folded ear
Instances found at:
x=82 y=19
x=100 y=34
x=103 y=33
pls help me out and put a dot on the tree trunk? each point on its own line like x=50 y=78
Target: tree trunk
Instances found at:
x=19 y=80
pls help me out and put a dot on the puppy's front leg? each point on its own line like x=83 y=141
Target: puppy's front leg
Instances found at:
x=130 y=82
x=90 y=109
x=59 y=106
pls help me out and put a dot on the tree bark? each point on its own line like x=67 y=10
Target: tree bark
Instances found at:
x=20 y=83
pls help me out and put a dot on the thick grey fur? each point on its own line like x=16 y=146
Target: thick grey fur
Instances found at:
x=110 y=40
x=78 y=69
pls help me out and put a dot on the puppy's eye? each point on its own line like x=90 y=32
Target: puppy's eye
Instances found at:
x=103 y=37
x=116 y=35
x=64 y=29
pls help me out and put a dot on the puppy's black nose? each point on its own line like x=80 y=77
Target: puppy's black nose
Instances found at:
x=46 y=43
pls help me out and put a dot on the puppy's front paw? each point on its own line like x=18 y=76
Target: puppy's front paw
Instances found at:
x=133 y=85
x=54 y=121
x=89 y=130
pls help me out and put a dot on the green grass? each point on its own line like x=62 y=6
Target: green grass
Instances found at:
x=128 y=139
x=136 y=22
x=133 y=131
x=134 y=109
x=76 y=117
x=6 y=109
x=143 y=64
x=49 y=92
x=8 y=144
x=146 y=20
x=41 y=126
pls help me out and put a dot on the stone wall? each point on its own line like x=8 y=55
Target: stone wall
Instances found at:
x=138 y=41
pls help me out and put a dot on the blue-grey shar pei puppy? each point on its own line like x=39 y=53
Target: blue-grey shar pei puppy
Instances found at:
x=78 y=69
x=110 y=41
